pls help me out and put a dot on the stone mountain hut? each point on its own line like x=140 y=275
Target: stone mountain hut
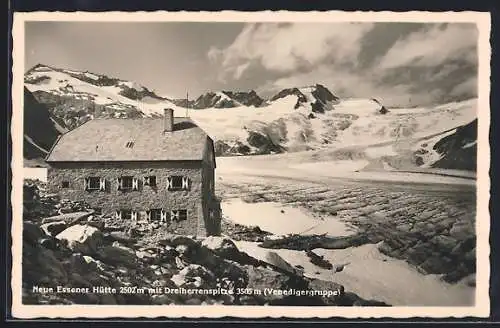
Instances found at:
x=148 y=169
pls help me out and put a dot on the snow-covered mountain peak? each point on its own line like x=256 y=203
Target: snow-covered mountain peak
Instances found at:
x=316 y=97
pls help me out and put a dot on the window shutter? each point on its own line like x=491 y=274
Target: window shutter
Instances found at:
x=174 y=215
x=102 y=184
x=86 y=183
x=135 y=184
x=148 y=215
x=133 y=215
x=163 y=216
x=169 y=183
x=119 y=181
x=185 y=183
x=118 y=214
x=145 y=181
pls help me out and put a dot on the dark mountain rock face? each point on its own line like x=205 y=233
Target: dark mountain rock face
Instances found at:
x=73 y=112
x=135 y=94
x=39 y=130
x=458 y=150
x=250 y=98
x=183 y=102
x=211 y=99
x=383 y=110
x=323 y=94
x=290 y=92
x=322 y=97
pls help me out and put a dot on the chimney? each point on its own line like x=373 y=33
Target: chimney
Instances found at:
x=168 y=121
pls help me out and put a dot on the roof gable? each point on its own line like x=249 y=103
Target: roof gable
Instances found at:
x=130 y=140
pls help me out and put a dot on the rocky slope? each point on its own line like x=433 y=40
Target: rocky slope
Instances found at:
x=41 y=129
x=223 y=99
x=250 y=98
x=454 y=149
x=458 y=150
x=65 y=244
x=319 y=96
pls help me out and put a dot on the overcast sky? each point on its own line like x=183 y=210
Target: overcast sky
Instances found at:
x=394 y=62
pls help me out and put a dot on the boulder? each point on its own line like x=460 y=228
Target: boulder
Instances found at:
x=82 y=238
x=276 y=260
x=145 y=256
x=50 y=243
x=180 y=264
x=69 y=218
x=96 y=223
x=194 y=276
x=226 y=249
x=98 y=264
x=223 y=247
x=318 y=260
x=122 y=237
x=117 y=254
x=176 y=240
x=81 y=263
x=260 y=278
x=182 y=249
x=53 y=228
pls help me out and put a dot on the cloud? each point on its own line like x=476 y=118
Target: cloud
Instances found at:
x=433 y=46
x=394 y=62
x=286 y=48
x=238 y=72
x=343 y=83
x=466 y=88
x=214 y=54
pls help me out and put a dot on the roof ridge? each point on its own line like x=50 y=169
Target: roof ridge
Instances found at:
x=110 y=136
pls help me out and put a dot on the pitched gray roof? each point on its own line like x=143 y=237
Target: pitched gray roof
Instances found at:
x=107 y=139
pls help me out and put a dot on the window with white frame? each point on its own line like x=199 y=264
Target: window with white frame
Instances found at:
x=164 y=217
x=177 y=182
x=150 y=181
x=95 y=183
x=126 y=214
x=154 y=214
x=126 y=183
x=178 y=215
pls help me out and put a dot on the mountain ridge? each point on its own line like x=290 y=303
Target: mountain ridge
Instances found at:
x=243 y=123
